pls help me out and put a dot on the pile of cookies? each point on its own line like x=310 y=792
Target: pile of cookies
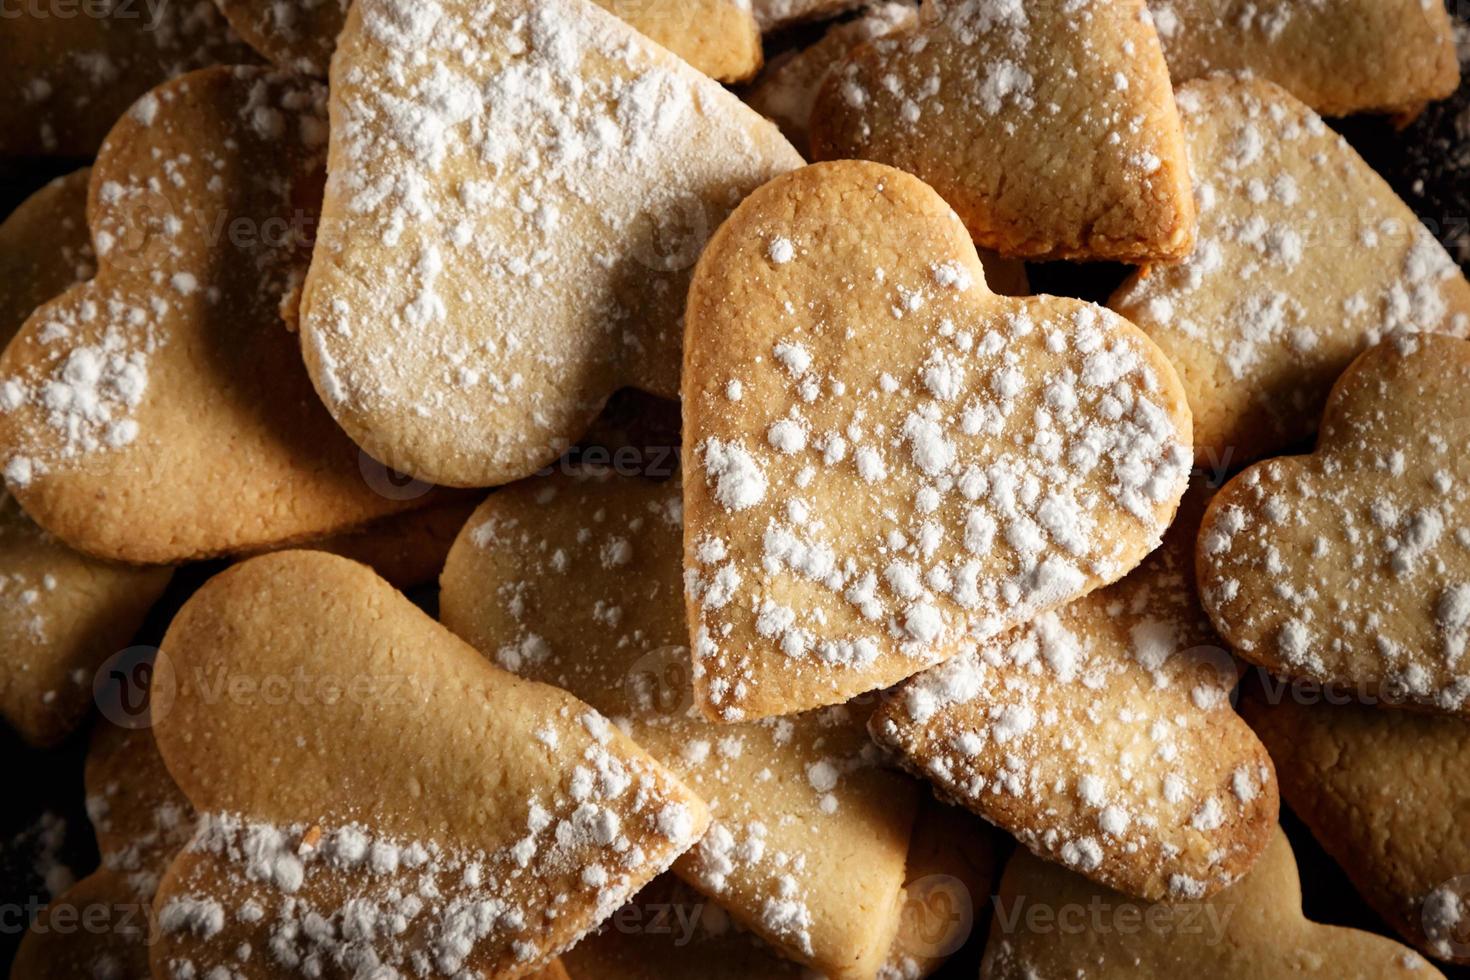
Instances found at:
x=796 y=562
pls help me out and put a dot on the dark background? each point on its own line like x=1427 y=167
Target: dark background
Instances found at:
x=1428 y=164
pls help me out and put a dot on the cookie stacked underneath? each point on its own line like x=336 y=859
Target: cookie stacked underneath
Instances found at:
x=522 y=508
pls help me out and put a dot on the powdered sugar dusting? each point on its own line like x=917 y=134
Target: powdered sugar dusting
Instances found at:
x=307 y=895
x=787 y=794
x=77 y=379
x=981 y=89
x=988 y=468
x=1102 y=736
x=1304 y=258
x=1350 y=565
x=561 y=173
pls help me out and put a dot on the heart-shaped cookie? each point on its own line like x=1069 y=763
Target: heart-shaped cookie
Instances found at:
x=719 y=37
x=575 y=580
x=160 y=412
x=1351 y=566
x=1050 y=128
x=508 y=230
x=1382 y=791
x=1305 y=257
x=885 y=460
x=345 y=750
x=1339 y=58
x=1102 y=735
x=1049 y=922
x=68 y=78
x=61 y=613
x=99 y=927
x=786 y=91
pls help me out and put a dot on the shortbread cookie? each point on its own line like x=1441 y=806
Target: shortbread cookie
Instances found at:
x=1351 y=566
x=786 y=91
x=1050 y=128
x=1382 y=791
x=553 y=181
x=62 y=614
x=44 y=248
x=576 y=581
x=99 y=928
x=1049 y=922
x=885 y=460
x=775 y=14
x=1339 y=57
x=68 y=79
x=358 y=751
x=1102 y=735
x=719 y=37
x=160 y=412
x=1305 y=257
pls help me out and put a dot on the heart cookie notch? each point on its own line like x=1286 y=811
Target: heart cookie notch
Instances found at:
x=61 y=613
x=344 y=750
x=885 y=459
x=1305 y=257
x=1101 y=735
x=1351 y=566
x=160 y=412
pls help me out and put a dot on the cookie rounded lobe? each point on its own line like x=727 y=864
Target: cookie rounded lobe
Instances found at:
x=846 y=300
x=1345 y=567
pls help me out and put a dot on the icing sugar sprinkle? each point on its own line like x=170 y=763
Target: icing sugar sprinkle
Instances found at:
x=416 y=906
x=526 y=207
x=988 y=473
